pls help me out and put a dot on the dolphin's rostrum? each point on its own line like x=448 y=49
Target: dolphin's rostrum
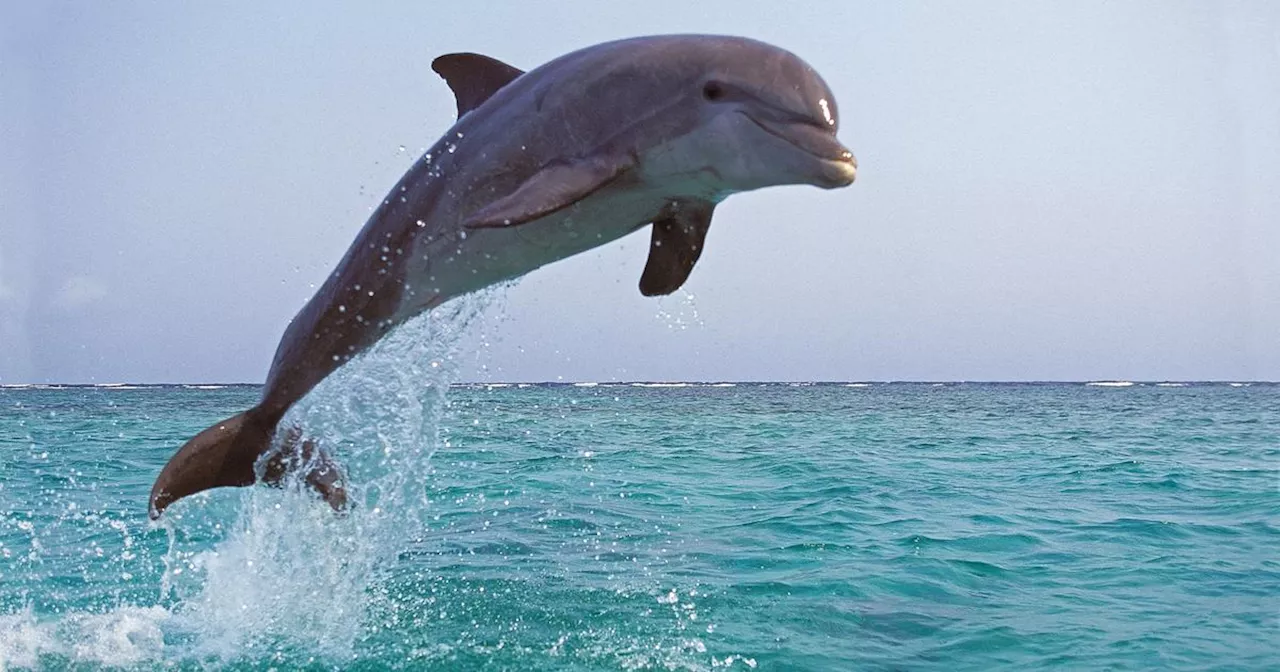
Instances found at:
x=539 y=166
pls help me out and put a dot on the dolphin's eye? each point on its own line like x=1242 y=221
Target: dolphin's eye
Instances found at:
x=713 y=91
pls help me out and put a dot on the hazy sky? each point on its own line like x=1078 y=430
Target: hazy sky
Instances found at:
x=1046 y=191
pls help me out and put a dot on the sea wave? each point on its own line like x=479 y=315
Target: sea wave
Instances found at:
x=121 y=637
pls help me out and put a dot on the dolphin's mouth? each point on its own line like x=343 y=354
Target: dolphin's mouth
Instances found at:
x=808 y=138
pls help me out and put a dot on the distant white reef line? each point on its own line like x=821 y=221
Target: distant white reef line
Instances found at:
x=676 y=384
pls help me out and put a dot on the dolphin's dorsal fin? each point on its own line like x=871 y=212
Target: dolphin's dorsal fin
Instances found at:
x=676 y=244
x=473 y=77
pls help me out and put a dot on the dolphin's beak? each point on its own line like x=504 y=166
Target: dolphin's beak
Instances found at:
x=839 y=167
x=842 y=171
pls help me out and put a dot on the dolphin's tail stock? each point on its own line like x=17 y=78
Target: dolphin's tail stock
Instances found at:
x=225 y=455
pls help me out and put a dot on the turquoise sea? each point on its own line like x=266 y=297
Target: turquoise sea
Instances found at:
x=657 y=527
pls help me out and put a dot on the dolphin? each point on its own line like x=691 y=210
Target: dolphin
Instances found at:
x=541 y=165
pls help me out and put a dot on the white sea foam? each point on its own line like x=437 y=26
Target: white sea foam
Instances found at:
x=22 y=640
x=586 y=384
x=1171 y=384
x=116 y=386
x=204 y=387
x=1110 y=383
x=857 y=384
x=721 y=385
x=1240 y=384
x=124 y=636
x=660 y=384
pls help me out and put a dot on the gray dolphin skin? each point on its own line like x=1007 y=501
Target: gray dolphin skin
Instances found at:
x=539 y=166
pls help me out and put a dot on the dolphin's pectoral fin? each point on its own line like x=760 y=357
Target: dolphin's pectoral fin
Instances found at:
x=677 y=243
x=322 y=474
x=554 y=187
x=473 y=78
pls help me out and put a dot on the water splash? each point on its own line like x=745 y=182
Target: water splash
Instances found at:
x=289 y=574
x=121 y=637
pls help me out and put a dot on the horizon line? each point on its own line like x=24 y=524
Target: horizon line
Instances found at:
x=1152 y=381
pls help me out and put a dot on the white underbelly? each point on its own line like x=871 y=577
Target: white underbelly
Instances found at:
x=458 y=262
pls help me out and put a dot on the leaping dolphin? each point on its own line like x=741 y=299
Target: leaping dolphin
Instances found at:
x=539 y=166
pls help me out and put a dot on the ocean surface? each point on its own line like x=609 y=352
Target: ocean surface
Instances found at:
x=656 y=527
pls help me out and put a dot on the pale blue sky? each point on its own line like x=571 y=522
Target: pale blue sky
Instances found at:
x=1047 y=191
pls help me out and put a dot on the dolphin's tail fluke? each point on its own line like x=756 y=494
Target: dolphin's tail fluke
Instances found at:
x=225 y=455
x=222 y=455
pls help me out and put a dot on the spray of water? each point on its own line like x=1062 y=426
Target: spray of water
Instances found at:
x=681 y=315
x=290 y=574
